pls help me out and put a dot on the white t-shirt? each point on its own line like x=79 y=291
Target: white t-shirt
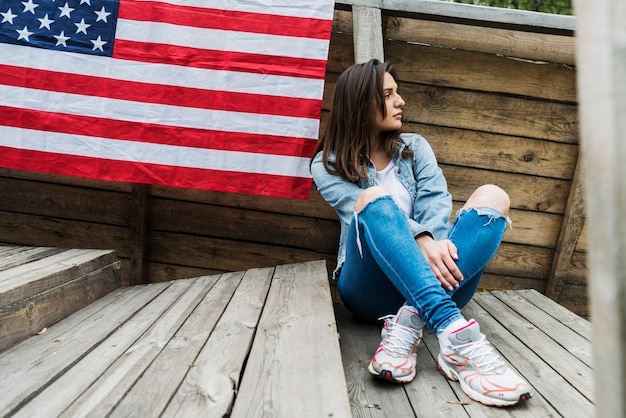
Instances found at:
x=388 y=178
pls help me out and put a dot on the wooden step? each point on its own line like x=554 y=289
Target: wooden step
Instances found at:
x=257 y=343
x=39 y=286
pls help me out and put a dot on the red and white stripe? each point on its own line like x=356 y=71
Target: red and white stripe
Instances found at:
x=222 y=99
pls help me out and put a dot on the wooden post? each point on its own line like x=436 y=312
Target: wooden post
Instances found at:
x=139 y=233
x=368 y=34
x=573 y=222
x=601 y=56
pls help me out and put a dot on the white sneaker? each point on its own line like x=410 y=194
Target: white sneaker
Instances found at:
x=395 y=358
x=469 y=358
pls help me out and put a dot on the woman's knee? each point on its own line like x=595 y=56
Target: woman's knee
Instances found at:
x=369 y=194
x=490 y=195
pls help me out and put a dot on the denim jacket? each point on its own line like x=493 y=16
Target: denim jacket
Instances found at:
x=422 y=177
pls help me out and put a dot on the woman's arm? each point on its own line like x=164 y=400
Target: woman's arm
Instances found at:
x=432 y=210
x=339 y=193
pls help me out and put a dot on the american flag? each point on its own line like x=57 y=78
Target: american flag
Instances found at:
x=218 y=95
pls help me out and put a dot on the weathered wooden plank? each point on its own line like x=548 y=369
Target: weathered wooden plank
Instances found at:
x=491 y=282
x=572 y=341
x=528 y=193
x=4 y=248
x=138 y=233
x=314 y=207
x=298 y=308
x=105 y=393
x=159 y=272
x=178 y=358
x=575 y=298
x=568 y=366
x=474 y=14
x=43 y=231
x=14 y=256
x=490 y=113
x=490 y=40
x=209 y=387
x=533 y=228
x=367 y=34
x=368 y=397
x=568 y=236
x=41 y=196
x=504 y=153
x=39 y=310
x=30 y=279
x=58 y=395
x=583 y=242
x=483 y=111
x=560 y=313
x=521 y=261
x=58 y=349
x=551 y=390
x=482 y=72
x=243 y=225
x=214 y=253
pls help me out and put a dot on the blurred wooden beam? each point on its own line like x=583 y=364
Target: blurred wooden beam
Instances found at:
x=601 y=52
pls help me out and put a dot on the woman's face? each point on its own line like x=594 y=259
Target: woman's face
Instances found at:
x=393 y=105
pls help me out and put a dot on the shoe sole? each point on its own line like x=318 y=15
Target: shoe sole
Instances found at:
x=387 y=376
x=450 y=374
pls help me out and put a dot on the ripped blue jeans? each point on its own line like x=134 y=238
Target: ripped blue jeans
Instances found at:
x=384 y=267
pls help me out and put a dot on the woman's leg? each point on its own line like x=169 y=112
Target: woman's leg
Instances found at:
x=384 y=266
x=477 y=233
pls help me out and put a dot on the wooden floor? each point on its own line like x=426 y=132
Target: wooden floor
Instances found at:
x=547 y=344
x=246 y=344
x=267 y=342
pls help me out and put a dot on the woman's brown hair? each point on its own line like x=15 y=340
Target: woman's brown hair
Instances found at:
x=358 y=95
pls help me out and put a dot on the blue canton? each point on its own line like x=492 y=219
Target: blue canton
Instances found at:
x=84 y=26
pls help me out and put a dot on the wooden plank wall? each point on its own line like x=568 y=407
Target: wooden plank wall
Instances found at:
x=497 y=103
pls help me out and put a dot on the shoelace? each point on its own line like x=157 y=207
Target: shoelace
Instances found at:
x=400 y=339
x=482 y=356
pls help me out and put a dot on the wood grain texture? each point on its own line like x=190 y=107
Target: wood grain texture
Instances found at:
x=111 y=386
x=489 y=40
x=473 y=14
x=368 y=34
x=213 y=380
x=180 y=356
x=285 y=372
x=42 y=358
x=31 y=314
x=54 y=398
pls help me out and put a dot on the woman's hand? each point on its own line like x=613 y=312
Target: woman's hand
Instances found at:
x=441 y=256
